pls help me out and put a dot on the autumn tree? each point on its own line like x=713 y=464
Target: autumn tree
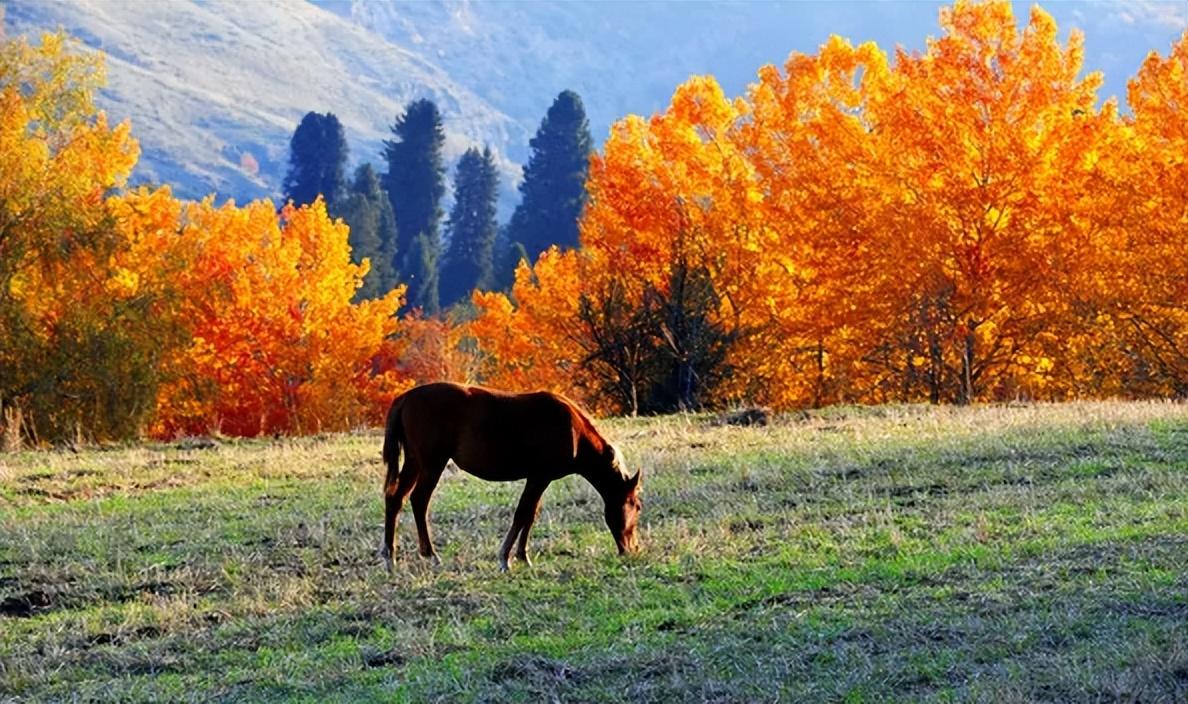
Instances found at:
x=870 y=231
x=276 y=343
x=428 y=349
x=668 y=195
x=469 y=262
x=810 y=141
x=1138 y=284
x=672 y=204
x=77 y=335
x=317 y=160
x=982 y=140
x=533 y=344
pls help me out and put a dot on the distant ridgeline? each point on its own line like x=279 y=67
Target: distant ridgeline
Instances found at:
x=960 y=225
x=215 y=94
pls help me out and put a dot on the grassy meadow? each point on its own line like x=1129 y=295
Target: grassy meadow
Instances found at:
x=999 y=554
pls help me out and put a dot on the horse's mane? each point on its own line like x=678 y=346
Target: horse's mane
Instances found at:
x=598 y=443
x=583 y=427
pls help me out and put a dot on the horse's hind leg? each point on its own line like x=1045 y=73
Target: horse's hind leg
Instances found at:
x=525 y=516
x=420 y=505
x=394 y=493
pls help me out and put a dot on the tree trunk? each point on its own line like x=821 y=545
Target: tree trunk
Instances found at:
x=967 y=362
x=820 y=373
x=936 y=369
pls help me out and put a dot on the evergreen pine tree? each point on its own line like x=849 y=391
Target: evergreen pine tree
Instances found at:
x=554 y=186
x=469 y=262
x=415 y=183
x=508 y=255
x=387 y=233
x=422 y=280
x=369 y=214
x=317 y=160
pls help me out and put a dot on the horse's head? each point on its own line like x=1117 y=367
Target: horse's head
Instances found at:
x=623 y=506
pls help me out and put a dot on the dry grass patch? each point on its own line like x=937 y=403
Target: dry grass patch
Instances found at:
x=1014 y=553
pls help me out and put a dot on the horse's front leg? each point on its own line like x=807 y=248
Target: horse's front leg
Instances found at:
x=525 y=516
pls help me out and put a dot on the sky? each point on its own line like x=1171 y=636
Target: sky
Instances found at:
x=1118 y=33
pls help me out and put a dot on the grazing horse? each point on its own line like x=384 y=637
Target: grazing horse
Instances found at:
x=499 y=437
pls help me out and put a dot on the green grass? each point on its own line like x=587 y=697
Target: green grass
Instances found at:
x=998 y=554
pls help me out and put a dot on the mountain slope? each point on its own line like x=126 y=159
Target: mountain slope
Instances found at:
x=215 y=89
x=208 y=82
x=628 y=57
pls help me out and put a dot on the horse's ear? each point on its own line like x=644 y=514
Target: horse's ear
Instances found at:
x=634 y=481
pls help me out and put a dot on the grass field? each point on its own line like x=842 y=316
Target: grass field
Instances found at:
x=1032 y=553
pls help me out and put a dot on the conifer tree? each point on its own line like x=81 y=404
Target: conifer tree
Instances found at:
x=317 y=161
x=554 y=186
x=508 y=255
x=422 y=278
x=469 y=262
x=415 y=183
x=373 y=231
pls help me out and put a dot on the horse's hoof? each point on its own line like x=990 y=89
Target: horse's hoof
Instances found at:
x=385 y=555
x=504 y=567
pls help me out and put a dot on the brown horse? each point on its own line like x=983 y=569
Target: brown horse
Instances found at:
x=499 y=437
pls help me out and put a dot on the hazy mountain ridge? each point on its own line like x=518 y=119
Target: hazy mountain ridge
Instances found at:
x=208 y=82
x=215 y=89
x=628 y=57
x=519 y=55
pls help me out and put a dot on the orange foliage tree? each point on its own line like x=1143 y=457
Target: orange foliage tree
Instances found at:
x=986 y=142
x=669 y=205
x=963 y=223
x=125 y=310
x=275 y=344
x=958 y=224
x=1142 y=288
x=810 y=137
x=532 y=346
x=427 y=349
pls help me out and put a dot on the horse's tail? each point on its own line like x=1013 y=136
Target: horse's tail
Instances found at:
x=393 y=439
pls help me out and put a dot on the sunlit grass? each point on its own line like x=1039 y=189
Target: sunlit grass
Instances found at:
x=905 y=553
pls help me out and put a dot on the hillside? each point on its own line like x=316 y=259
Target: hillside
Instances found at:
x=213 y=86
x=208 y=82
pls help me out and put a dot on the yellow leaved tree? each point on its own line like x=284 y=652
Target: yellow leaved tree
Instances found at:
x=77 y=352
x=122 y=312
